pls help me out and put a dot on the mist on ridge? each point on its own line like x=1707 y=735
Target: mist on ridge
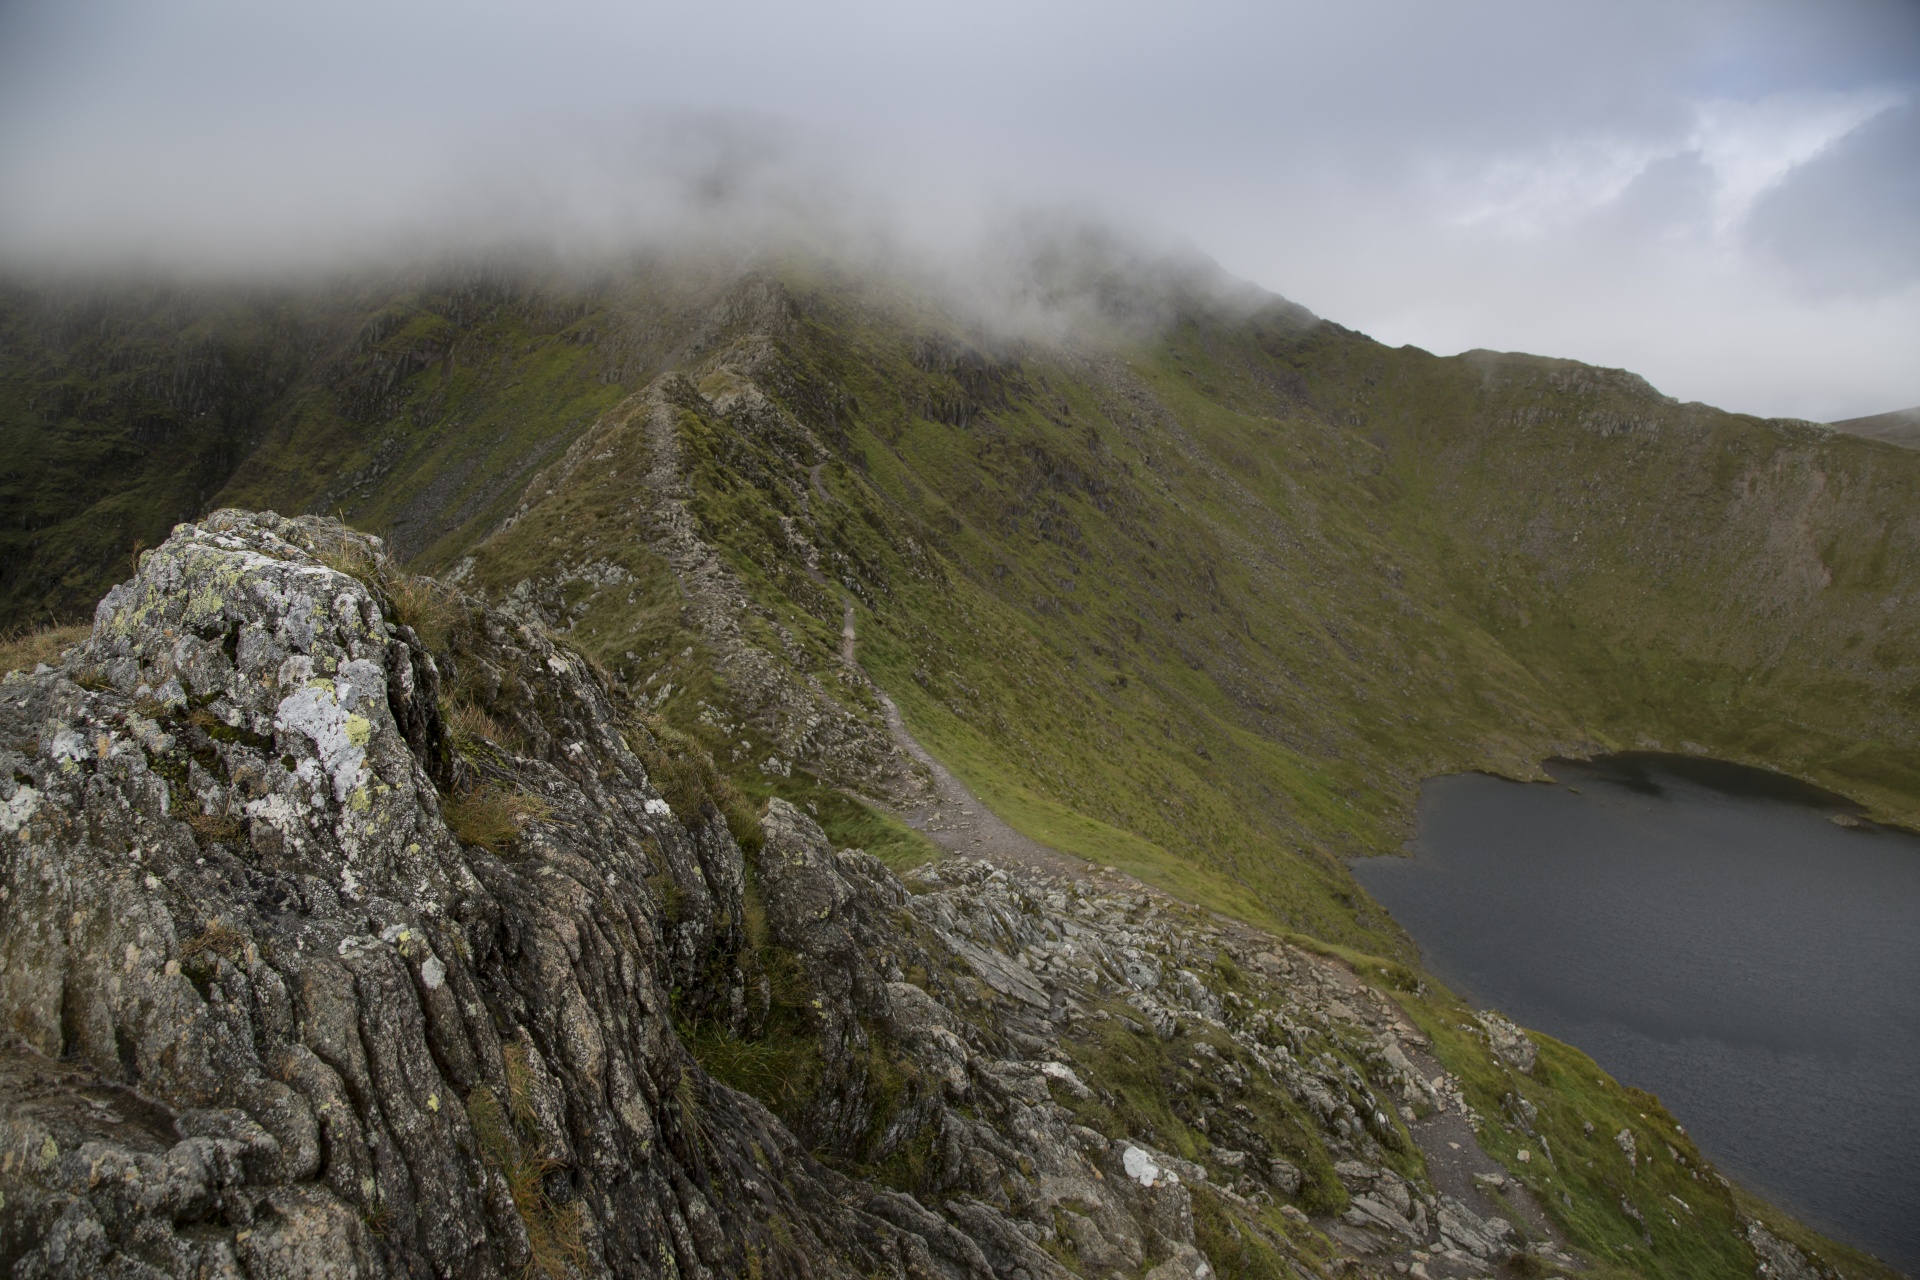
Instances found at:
x=1713 y=195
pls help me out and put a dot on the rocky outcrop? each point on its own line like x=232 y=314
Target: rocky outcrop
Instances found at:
x=268 y=1016
x=809 y=709
x=296 y=982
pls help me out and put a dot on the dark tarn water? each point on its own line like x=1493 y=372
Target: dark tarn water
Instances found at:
x=1707 y=933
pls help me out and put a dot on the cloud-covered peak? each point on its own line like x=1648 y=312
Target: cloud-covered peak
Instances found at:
x=1714 y=193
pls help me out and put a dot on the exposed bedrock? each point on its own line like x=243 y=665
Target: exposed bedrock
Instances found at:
x=266 y=1015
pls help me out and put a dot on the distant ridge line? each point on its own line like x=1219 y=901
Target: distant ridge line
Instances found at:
x=1901 y=427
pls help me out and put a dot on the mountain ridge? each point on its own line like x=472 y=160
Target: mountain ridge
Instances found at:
x=1288 y=462
x=1901 y=427
x=1201 y=601
x=355 y=928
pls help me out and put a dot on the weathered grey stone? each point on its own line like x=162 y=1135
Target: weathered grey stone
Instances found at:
x=1775 y=1259
x=1509 y=1041
x=227 y=892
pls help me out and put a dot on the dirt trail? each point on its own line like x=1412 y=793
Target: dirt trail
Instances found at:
x=957 y=821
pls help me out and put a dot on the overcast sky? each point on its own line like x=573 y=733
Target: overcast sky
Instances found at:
x=1724 y=197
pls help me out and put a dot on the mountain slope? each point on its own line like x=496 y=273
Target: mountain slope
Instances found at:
x=1199 y=587
x=1161 y=613
x=1901 y=427
x=420 y=401
x=1204 y=596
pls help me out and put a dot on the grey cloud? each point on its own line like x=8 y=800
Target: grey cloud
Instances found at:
x=1848 y=221
x=1324 y=151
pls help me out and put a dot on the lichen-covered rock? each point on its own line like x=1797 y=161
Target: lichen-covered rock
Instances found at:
x=281 y=1022
x=1508 y=1040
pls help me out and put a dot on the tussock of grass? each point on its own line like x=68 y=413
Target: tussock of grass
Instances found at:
x=666 y=891
x=777 y=1059
x=491 y=815
x=519 y=1072
x=215 y=827
x=433 y=609
x=1237 y=1244
x=22 y=650
x=910 y=1166
x=472 y=728
x=555 y=1232
x=687 y=778
x=218 y=938
x=350 y=556
x=778 y=1068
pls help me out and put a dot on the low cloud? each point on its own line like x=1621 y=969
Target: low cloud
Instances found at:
x=1716 y=194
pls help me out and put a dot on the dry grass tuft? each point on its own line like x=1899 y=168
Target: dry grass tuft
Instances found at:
x=491 y=815
x=431 y=608
x=218 y=938
x=217 y=827
x=520 y=1086
x=24 y=649
x=555 y=1232
x=351 y=557
x=472 y=727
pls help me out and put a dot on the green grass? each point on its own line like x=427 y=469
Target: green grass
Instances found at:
x=851 y=824
x=1245 y=1245
x=1156 y=1090
x=1223 y=653
x=416 y=405
x=491 y=815
x=1689 y=1216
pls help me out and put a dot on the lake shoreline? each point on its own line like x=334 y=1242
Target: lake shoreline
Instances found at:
x=1701 y=928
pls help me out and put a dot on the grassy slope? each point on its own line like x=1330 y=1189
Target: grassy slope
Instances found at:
x=119 y=416
x=1212 y=609
x=414 y=407
x=1236 y=598
x=1681 y=576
